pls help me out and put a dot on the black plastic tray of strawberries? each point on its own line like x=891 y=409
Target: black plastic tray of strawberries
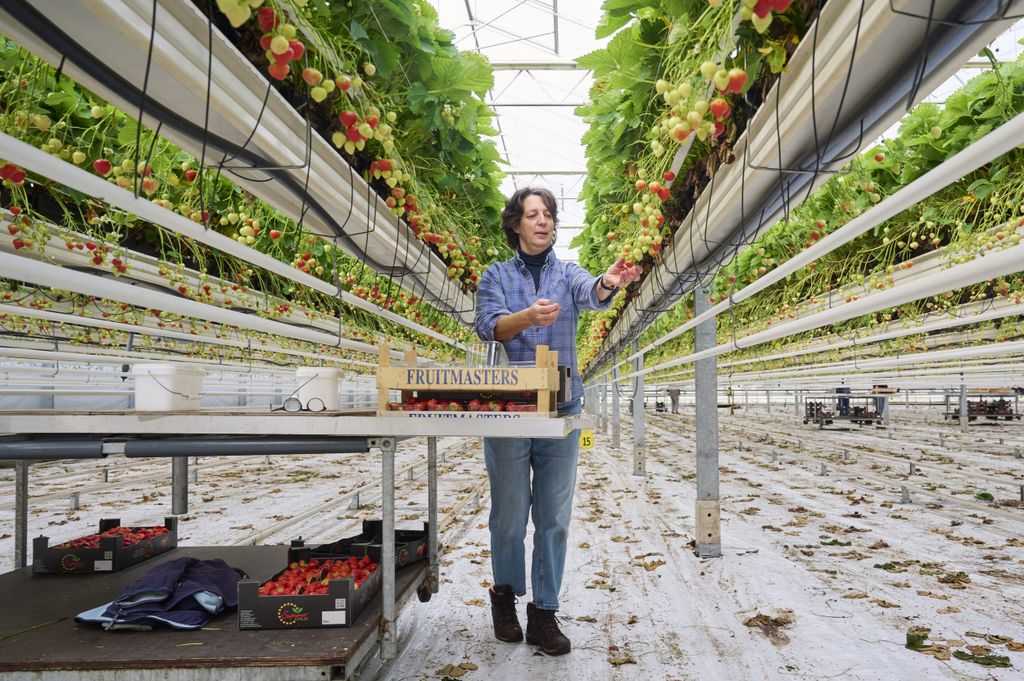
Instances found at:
x=410 y=545
x=311 y=591
x=114 y=547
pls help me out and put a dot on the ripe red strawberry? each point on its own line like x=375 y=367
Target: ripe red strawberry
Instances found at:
x=663 y=194
x=669 y=176
x=312 y=76
x=641 y=185
x=278 y=71
x=265 y=42
x=720 y=109
x=763 y=7
x=284 y=57
x=737 y=79
x=298 y=48
x=879 y=157
x=7 y=170
x=190 y=175
x=13 y=229
x=343 y=83
x=719 y=129
x=353 y=134
x=18 y=244
x=267 y=18
x=275 y=234
x=97 y=259
x=348 y=118
x=17 y=178
x=102 y=166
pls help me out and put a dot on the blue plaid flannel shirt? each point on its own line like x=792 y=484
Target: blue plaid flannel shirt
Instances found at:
x=507 y=287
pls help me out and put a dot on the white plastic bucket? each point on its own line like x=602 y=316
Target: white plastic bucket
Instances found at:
x=319 y=382
x=167 y=387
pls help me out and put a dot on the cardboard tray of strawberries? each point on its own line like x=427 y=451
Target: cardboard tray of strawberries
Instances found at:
x=114 y=547
x=311 y=592
x=410 y=545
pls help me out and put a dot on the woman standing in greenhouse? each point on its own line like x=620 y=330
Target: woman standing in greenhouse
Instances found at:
x=535 y=299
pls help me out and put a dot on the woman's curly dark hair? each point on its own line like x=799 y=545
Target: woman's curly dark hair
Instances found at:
x=513 y=212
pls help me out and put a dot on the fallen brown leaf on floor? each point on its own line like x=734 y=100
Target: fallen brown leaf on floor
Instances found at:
x=771 y=625
x=620 y=658
x=475 y=601
x=584 y=545
x=884 y=603
x=929 y=594
x=753 y=510
x=955 y=580
x=879 y=545
x=980 y=651
x=1015 y=646
x=586 y=618
x=936 y=650
x=450 y=670
x=468 y=666
x=948 y=611
x=998 y=640
x=486 y=583
x=856 y=594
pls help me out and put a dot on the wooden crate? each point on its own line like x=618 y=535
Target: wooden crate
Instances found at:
x=543 y=378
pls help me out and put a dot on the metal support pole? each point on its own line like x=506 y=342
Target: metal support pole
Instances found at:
x=963 y=407
x=768 y=399
x=433 y=577
x=604 y=407
x=746 y=401
x=906 y=397
x=708 y=504
x=388 y=626
x=639 y=455
x=179 y=485
x=21 y=514
x=616 y=413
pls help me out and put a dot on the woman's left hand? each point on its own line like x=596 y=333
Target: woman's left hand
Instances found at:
x=620 y=276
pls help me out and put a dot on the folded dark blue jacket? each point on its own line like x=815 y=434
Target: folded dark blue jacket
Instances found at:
x=184 y=593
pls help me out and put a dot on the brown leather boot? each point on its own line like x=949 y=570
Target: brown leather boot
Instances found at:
x=542 y=630
x=503 y=614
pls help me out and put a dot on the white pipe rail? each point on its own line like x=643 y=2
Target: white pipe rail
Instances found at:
x=68 y=318
x=985 y=267
x=991 y=146
x=43 y=274
x=50 y=166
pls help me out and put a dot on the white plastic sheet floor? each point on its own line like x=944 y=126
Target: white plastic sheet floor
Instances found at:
x=821 y=577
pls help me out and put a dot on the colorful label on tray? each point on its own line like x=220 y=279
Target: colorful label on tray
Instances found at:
x=291 y=613
x=461 y=377
x=71 y=562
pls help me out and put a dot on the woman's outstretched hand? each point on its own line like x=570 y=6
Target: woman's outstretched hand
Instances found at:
x=620 y=276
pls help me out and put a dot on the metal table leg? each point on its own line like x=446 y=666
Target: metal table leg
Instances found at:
x=433 y=578
x=21 y=514
x=388 y=626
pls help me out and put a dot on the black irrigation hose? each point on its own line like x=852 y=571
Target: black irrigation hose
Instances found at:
x=33 y=20
x=943 y=42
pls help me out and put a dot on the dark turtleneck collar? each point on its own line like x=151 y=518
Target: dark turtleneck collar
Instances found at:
x=535 y=263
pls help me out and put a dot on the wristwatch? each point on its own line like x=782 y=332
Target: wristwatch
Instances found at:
x=600 y=282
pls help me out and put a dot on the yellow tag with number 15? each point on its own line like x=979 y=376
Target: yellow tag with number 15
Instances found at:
x=586 y=439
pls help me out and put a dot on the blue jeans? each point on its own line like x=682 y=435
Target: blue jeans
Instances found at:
x=549 y=499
